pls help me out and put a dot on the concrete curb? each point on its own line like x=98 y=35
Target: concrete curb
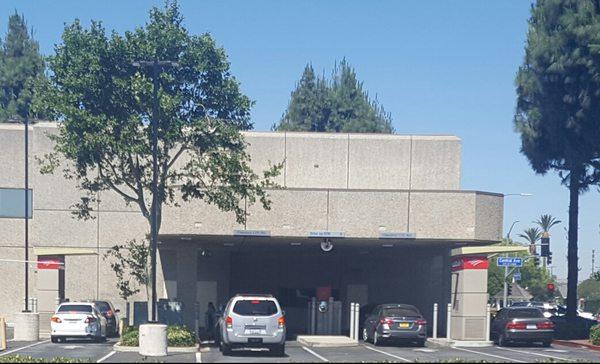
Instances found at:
x=316 y=341
x=460 y=343
x=170 y=349
x=576 y=345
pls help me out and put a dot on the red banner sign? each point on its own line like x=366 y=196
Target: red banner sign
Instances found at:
x=50 y=263
x=470 y=262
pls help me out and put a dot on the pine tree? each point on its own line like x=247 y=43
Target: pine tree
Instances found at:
x=339 y=105
x=21 y=65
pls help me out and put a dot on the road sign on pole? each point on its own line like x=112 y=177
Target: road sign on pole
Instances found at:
x=510 y=262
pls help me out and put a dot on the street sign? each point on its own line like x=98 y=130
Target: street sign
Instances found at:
x=517 y=276
x=510 y=262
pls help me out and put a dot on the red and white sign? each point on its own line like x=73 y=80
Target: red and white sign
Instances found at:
x=50 y=263
x=470 y=263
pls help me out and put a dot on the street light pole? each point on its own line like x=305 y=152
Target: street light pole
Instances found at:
x=26 y=122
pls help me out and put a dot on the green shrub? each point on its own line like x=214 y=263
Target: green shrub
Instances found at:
x=176 y=336
x=595 y=335
x=180 y=336
x=29 y=359
x=130 y=337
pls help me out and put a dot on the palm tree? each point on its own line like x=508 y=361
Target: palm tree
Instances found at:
x=531 y=236
x=546 y=222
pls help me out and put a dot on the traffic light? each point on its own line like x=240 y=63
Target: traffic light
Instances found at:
x=545 y=246
x=549 y=258
x=550 y=287
x=509 y=289
x=536 y=260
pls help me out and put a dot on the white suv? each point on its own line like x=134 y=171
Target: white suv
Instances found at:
x=77 y=320
x=251 y=321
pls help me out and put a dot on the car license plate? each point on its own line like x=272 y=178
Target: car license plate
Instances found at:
x=255 y=340
x=531 y=327
x=253 y=332
x=404 y=325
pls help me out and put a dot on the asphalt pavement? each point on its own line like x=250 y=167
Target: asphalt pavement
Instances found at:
x=295 y=352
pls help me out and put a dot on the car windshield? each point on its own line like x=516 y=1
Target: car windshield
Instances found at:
x=255 y=308
x=102 y=306
x=525 y=313
x=75 y=308
x=400 y=312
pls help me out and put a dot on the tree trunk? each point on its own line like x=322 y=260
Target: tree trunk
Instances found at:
x=572 y=257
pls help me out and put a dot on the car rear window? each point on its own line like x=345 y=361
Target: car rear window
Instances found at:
x=102 y=306
x=75 y=308
x=255 y=308
x=400 y=312
x=525 y=313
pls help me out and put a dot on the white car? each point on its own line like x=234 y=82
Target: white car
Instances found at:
x=77 y=320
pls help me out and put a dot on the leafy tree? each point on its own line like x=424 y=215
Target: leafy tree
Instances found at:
x=339 y=105
x=590 y=291
x=531 y=235
x=546 y=222
x=558 y=104
x=104 y=103
x=21 y=65
x=130 y=263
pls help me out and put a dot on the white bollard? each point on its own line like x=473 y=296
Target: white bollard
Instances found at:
x=153 y=340
x=352 y=320
x=448 y=321
x=435 y=319
x=356 y=321
x=488 y=320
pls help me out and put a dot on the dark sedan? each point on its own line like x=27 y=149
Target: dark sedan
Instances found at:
x=395 y=322
x=107 y=310
x=522 y=324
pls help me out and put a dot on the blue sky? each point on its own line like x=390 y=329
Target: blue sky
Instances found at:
x=439 y=67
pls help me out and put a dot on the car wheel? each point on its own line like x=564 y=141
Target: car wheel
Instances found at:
x=501 y=340
x=279 y=350
x=547 y=343
x=225 y=349
x=62 y=339
x=54 y=339
x=365 y=335
x=376 y=339
x=421 y=343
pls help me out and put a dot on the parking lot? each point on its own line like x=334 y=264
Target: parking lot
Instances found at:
x=104 y=352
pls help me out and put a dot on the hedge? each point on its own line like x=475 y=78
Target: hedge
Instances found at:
x=595 y=335
x=177 y=336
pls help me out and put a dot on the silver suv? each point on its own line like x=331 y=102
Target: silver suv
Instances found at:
x=252 y=321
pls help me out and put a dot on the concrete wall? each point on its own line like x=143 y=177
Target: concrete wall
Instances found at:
x=360 y=184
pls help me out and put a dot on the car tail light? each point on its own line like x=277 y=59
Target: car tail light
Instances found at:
x=56 y=319
x=281 y=322
x=386 y=321
x=515 y=326
x=109 y=313
x=90 y=319
x=421 y=322
x=546 y=325
x=229 y=322
x=255 y=302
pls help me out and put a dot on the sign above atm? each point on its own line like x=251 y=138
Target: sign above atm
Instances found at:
x=470 y=263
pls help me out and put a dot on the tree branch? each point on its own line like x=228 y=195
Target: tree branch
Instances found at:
x=114 y=187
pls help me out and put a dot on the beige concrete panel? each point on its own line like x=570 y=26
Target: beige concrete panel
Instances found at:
x=489 y=218
x=316 y=160
x=293 y=213
x=81 y=272
x=442 y=215
x=198 y=217
x=470 y=281
x=107 y=283
x=62 y=228
x=120 y=227
x=266 y=150
x=367 y=213
x=12 y=158
x=12 y=232
x=468 y=328
x=379 y=161
x=12 y=282
x=435 y=163
x=51 y=191
x=472 y=304
x=112 y=201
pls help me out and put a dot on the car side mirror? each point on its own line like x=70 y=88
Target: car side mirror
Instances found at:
x=283 y=312
x=117 y=310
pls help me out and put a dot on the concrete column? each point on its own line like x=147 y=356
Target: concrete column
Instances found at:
x=27 y=326
x=187 y=262
x=153 y=340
